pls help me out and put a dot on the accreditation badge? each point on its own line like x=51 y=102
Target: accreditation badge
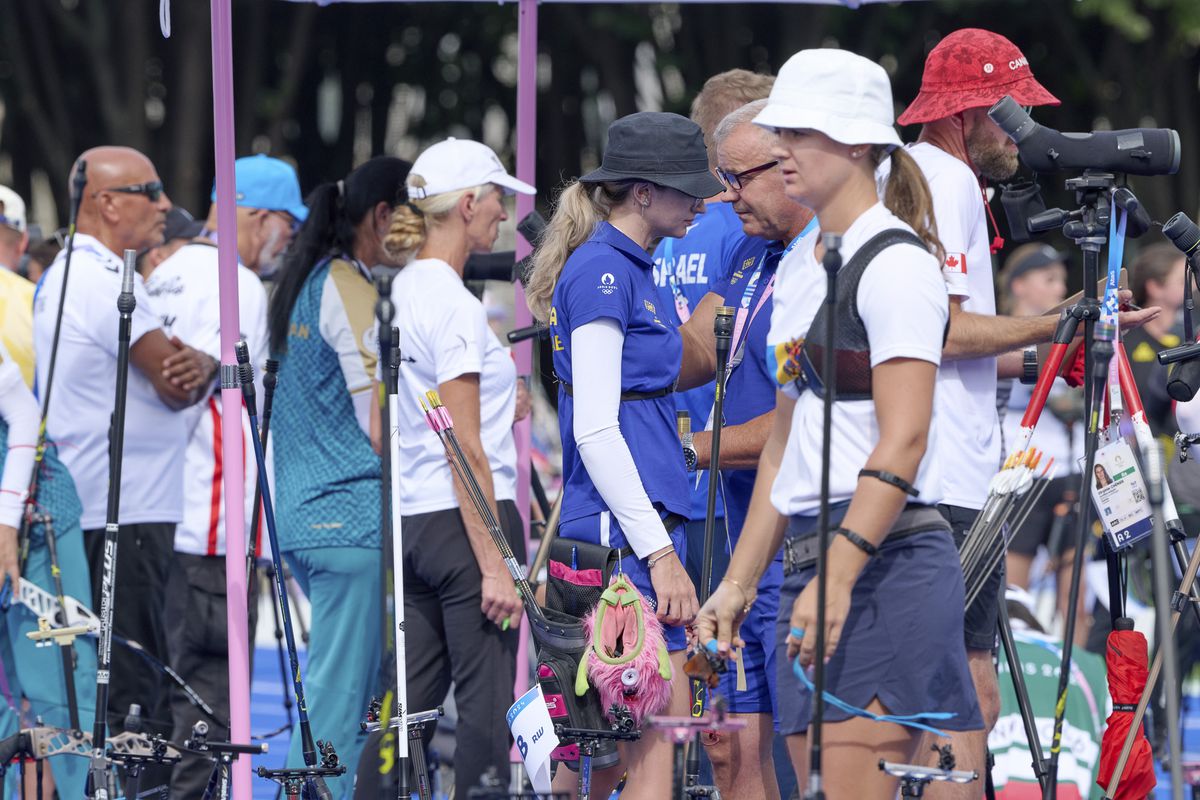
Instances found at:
x=1119 y=494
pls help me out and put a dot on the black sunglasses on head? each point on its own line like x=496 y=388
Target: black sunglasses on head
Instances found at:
x=153 y=190
x=736 y=180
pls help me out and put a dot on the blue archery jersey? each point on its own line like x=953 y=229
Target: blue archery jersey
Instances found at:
x=751 y=388
x=326 y=473
x=685 y=270
x=610 y=277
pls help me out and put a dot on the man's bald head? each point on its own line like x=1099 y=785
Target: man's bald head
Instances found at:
x=119 y=204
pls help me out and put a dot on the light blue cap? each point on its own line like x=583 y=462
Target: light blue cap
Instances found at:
x=267 y=183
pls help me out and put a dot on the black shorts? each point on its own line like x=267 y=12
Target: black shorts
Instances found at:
x=980 y=620
x=1040 y=523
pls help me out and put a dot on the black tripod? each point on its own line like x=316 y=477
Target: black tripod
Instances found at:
x=832 y=262
x=394 y=782
x=590 y=741
x=1087 y=227
x=723 y=333
x=310 y=777
x=98 y=770
x=223 y=754
x=136 y=751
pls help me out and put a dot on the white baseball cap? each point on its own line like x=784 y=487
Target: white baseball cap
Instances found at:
x=843 y=95
x=12 y=210
x=457 y=164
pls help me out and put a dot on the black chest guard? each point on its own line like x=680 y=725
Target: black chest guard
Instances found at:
x=852 y=351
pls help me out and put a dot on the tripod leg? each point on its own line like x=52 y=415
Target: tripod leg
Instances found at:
x=279 y=648
x=1022 y=693
x=214 y=781
x=1181 y=559
x=420 y=768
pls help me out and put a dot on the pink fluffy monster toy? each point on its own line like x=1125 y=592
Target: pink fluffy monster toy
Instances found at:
x=627 y=658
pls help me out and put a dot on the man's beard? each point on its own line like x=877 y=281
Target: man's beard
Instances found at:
x=270 y=255
x=994 y=161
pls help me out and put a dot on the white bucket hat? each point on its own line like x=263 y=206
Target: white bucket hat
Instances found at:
x=461 y=164
x=844 y=96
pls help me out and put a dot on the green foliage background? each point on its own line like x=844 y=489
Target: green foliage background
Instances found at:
x=330 y=85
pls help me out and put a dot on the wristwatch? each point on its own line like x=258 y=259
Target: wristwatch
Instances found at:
x=683 y=424
x=689 y=452
x=1029 y=365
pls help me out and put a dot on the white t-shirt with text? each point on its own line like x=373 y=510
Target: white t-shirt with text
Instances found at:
x=185 y=292
x=84 y=390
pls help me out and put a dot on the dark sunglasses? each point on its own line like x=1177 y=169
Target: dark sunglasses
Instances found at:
x=736 y=180
x=153 y=190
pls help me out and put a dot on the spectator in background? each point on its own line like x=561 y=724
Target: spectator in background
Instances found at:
x=1035 y=281
x=1156 y=278
x=124 y=207
x=41 y=254
x=16 y=293
x=689 y=267
x=184 y=286
x=179 y=229
x=269 y=230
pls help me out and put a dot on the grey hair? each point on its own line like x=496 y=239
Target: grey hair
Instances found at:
x=738 y=117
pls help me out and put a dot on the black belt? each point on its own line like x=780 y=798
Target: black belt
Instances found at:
x=654 y=395
x=800 y=552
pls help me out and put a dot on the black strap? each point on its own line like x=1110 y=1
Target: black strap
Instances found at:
x=858 y=541
x=854 y=370
x=892 y=478
x=654 y=395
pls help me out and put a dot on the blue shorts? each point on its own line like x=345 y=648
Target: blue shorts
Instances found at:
x=758 y=656
x=604 y=529
x=902 y=641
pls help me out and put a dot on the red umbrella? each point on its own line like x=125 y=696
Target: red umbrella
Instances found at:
x=1126 y=659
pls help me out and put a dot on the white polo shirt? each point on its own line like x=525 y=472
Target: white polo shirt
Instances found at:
x=444 y=334
x=903 y=304
x=185 y=292
x=969 y=423
x=81 y=401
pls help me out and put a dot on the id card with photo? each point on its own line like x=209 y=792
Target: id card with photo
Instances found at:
x=1119 y=494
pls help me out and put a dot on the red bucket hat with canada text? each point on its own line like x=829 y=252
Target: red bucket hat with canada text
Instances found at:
x=972 y=68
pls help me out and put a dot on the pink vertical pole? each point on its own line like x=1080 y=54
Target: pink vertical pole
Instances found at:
x=526 y=170
x=231 y=397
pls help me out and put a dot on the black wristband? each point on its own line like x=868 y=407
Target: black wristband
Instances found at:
x=858 y=541
x=891 y=478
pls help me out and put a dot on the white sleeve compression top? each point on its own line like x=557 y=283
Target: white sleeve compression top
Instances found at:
x=20 y=411
x=596 y=374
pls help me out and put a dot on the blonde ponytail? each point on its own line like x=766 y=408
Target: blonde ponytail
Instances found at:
x=411 y=220
x=579 y=210
x=907 y=196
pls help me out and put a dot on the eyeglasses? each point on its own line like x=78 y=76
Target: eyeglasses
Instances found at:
x=153 y=190
x=293 y=223
x=737 y=180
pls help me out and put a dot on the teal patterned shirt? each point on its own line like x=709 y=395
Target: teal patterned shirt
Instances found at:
x=327 y=476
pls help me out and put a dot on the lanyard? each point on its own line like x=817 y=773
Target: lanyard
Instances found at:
x=682 y=307
x=745 y=318
x=1107 y=327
